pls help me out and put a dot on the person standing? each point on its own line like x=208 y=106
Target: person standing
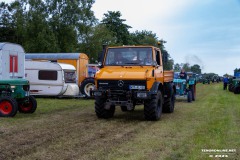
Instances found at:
x=225 y=82
x=183 y=74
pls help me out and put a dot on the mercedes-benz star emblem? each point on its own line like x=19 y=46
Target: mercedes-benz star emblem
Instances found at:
x=120 y=83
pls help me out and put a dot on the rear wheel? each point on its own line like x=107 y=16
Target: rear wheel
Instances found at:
x=153 y=108
x=8 y=107
x=169 y=103
x=28 y=107
x=100 y=110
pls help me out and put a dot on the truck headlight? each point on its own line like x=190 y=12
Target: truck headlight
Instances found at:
x=142 y=95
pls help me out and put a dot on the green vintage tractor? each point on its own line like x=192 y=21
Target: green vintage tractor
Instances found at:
x=234 y=85
x=14 y=96
x=234 y=82
x=185 y=89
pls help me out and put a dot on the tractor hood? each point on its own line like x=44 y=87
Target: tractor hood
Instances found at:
x=116 y=73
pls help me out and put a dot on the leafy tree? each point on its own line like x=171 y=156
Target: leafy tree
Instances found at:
x=116 y=25
x=186 y=67
x=7 y=31
x=39 y=37
x=143 y=38
x=177 y=67
x=196 y=69
x=100 y=35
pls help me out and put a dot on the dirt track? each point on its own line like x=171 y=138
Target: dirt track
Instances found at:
x=69 y=129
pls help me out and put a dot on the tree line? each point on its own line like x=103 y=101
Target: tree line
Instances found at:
x=53 y=26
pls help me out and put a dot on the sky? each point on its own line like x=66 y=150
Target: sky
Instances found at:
x=203 y=32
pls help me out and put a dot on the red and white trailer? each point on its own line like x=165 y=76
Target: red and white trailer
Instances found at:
x=12 y=58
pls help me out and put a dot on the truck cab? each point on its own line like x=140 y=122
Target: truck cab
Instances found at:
x=133 y=75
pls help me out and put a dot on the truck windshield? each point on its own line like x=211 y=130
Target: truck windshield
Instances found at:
x=133 y=56
x=69 y=76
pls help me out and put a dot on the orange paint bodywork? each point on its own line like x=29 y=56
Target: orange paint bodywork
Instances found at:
x=149 y=73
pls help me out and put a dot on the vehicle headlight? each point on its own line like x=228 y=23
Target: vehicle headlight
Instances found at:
x=142 y=95
x=13 y=87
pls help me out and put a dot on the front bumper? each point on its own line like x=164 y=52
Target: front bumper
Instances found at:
x=132 y=94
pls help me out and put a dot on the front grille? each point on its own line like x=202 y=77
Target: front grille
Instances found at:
x=119 y=84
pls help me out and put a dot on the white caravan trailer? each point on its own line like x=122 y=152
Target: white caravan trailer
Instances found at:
x=12 y=57
x=51 y=79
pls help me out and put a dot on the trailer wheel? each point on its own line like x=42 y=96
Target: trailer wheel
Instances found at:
x=153 y=108
x=8 y=107
x=86 y=87
x=169 y=103
x=29 y=107
x=101 y=112
x=189 y=96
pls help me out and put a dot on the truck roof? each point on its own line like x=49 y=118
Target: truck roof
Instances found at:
x=133 y=46
x=53 y=56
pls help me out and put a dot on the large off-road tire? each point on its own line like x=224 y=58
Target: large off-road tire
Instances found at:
x=101 y=112
x=189 y=96
x=169 y=102
x=8 y=107
x=237 y=90
x=29 y=107
x=86 y=86
x=153 y=108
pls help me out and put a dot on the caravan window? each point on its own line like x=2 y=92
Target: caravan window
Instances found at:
x=70 y=76
x=47 y=75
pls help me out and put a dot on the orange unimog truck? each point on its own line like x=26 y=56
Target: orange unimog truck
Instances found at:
x=130 y=76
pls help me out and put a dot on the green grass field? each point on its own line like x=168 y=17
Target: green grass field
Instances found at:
x=69 y=129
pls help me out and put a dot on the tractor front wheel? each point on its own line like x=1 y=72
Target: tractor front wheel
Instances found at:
x=8 y=107
x=189 y=96
x=237 y=90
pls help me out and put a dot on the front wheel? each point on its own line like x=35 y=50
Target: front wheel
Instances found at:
x=100 y=110
x=28 y=107
x=153 y=108
x=8 y=107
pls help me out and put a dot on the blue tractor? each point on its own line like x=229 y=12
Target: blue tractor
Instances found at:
x=185 y=88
